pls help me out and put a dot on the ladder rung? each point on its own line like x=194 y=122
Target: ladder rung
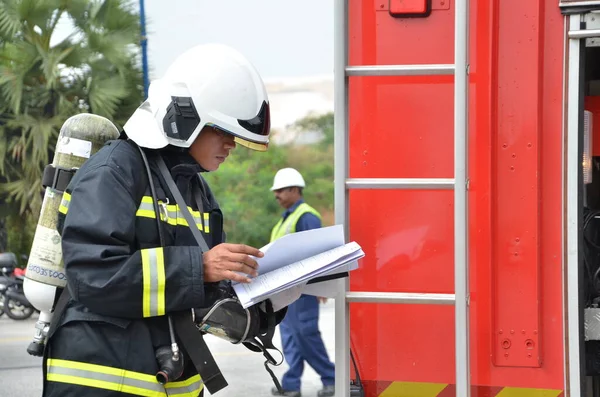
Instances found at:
x=400 y=297
x=400 y=183
x=399 y=70
x=582 y=34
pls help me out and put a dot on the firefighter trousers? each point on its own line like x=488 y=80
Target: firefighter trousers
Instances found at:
x=103 y=359
x=301 y=340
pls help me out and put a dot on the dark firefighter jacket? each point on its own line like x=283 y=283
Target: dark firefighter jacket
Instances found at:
x=122 y=283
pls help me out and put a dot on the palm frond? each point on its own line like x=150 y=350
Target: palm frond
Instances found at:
x=118 y=16
x=51 y=60
x=79 y=12
x=16 y=61
x=25 y=191
x=36 y=133
x=10 y=19
x=105 y=94
x=95 y=69
x=37 y=12
x=3 y=149
x=11 y=87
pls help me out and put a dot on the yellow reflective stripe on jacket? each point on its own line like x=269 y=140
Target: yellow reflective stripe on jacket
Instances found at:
x=119 y=380
x=206 y=222
x=171 y=214
x=153 y=273
x=63 y=208
x=289 y=225
x=185 y=388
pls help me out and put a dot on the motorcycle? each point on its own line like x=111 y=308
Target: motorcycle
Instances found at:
x=12 y=297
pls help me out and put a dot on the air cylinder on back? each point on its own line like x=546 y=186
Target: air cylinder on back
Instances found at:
x=80 y=136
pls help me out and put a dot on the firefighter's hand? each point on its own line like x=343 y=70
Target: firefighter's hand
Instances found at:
x=230 y=262
x=322 y=299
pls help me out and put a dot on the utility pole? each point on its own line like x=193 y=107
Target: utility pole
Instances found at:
x=144 y=44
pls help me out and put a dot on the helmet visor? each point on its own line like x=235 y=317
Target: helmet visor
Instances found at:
x=258 y=146
x=252 y=133
x=261 y=123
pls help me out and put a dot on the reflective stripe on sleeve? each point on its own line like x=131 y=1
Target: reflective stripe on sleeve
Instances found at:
x=63 y=208
x=153 y=270
x=206 y=222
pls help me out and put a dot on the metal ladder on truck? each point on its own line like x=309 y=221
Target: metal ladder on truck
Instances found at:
x=460 y=298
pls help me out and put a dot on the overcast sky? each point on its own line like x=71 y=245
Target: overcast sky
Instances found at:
x=283 y=38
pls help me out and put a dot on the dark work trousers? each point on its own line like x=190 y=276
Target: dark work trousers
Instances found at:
x=302 y=341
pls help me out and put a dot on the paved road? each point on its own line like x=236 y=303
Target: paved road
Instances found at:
x=21 y=374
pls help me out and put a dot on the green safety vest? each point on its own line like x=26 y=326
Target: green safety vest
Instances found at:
x=289 y=225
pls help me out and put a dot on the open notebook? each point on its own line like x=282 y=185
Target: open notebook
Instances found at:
x=297 y=259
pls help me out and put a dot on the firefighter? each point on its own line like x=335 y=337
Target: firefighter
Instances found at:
x=123 y=284
x=300 y=335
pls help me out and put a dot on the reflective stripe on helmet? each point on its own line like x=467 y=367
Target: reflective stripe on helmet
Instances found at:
x=119 y=380
x=64 y=204
x=153 y=273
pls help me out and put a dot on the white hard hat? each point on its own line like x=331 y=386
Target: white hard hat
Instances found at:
x=287 y=177
x=209 y=84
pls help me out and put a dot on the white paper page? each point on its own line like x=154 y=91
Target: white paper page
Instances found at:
x=331 y=268
x=297 y=246
x=303 y=270
x=274 y=283
x=300 y=245
x=286 y=297
x=277 y=280
x=243 y=295
x=325 y=288
x=348 y=266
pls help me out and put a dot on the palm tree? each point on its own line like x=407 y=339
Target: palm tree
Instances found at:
x=42 y=82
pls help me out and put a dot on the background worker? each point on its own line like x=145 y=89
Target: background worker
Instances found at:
x=300 y=335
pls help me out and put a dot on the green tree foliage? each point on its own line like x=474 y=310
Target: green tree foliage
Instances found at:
x=321 y=123
x=42 y=83
x=241 y=185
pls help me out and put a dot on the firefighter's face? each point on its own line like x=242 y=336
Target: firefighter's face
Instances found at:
x=286 y=197
x=211 y=148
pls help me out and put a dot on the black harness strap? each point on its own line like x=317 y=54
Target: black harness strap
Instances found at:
x=182 y=205
x=59 y=309
x=57 y=178
x=262 y=343
x=198 y=351
x=192 y=339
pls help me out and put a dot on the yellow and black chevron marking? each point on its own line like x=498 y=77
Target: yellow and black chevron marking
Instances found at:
x=414 y=389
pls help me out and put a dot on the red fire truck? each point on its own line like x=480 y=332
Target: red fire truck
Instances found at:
x=467 y=144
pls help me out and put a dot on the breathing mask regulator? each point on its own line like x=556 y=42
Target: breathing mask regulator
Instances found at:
x=253 y=327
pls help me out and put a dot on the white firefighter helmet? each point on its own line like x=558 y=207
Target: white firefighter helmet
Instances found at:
x=287 y=177
x=208 y=85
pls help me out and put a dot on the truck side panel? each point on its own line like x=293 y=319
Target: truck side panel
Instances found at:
x=402 y=127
